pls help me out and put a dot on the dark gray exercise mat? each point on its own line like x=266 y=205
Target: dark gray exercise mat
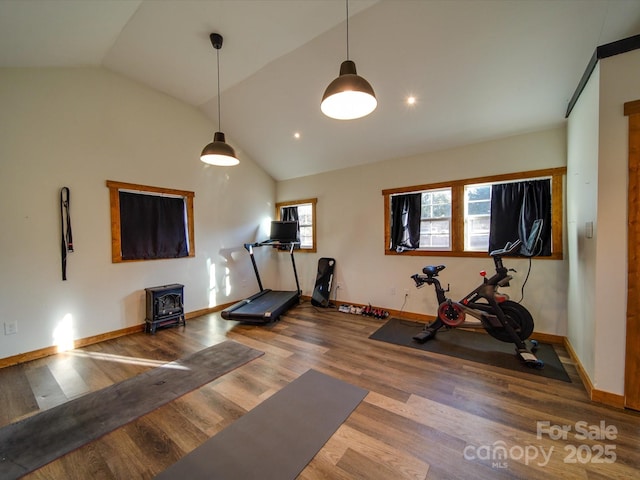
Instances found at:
x=35 y=441
x=278 y=438
x=474 y=346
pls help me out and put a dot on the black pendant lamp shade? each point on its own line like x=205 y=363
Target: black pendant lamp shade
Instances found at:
x=218 y=152
x=349 y=96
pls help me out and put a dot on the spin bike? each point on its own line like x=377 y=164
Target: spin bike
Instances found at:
x=503 y=319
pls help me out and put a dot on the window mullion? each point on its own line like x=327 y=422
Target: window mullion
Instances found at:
x=457 y=217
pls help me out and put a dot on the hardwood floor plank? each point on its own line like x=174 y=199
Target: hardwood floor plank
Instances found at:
x=124 y=456
x=17 y=396
x=45 y=387
x=372 y=458
x=69 y=380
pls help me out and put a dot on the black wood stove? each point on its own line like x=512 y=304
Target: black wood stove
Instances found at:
x=165 y=306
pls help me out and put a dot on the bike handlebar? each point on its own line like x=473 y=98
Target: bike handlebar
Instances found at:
x=421 y=280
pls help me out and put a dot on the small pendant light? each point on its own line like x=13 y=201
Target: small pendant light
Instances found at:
x=218 y=152
x=349 y=96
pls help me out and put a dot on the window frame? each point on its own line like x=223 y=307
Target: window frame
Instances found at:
x=457 y=212
x=314 y=223
x=114 y=202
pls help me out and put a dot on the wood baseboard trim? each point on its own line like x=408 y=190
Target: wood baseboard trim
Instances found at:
x=419 y=317
x=207 y=311
x=83 y=342
x=548 y=338
x=607 y=398
x=598 y=396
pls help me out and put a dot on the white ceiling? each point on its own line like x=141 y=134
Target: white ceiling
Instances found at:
x=480 y=69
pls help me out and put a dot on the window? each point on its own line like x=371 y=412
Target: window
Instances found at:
x=435 y=219
x=304 y=212
x=455 y=217
x=477 y=217
x=150 y=222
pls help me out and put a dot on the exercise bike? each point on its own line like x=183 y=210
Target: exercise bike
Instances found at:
x=503 y=319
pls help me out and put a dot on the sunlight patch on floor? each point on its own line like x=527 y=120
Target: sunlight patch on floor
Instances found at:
x=110 y=357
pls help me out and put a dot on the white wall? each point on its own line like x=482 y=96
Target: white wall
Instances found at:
x=619 y=83
x=79 y=128
x=351 y=228
x=582 y=207
x=598 y=160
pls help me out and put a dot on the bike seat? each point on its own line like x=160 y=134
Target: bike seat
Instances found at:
x=432 y=270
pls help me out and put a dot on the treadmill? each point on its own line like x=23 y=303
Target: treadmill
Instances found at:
x=267 y=305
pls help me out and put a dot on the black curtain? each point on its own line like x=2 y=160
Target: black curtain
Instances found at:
x=522 y=210
x=405 y=221
x=290 y=214
x=152 y=226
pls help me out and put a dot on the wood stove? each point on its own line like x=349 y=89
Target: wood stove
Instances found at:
x=165 y=306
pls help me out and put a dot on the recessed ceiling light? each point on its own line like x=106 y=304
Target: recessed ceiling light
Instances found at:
x=411 y=100
x=296 y=135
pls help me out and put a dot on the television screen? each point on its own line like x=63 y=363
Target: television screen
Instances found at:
x=284 y=231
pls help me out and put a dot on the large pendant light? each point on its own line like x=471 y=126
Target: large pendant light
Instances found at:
x=218 y=152
x=349 y=96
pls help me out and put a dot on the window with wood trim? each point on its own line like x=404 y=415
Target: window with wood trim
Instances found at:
x=149 y=223
x=455 y=216
x=304 y=212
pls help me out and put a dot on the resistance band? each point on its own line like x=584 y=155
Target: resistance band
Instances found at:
x=66 y=245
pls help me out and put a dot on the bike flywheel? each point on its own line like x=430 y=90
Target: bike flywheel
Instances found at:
x=451 y=314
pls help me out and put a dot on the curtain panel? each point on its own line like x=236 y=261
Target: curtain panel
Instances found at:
x=405 y=221
x=290 y=214
x=522 y=210
x=152 y=226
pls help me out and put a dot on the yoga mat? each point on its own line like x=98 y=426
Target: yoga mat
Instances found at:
x=474 y=346
x=278 y=438
x=35 y=441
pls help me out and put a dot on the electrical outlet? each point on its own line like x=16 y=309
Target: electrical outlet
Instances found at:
x=10 y=328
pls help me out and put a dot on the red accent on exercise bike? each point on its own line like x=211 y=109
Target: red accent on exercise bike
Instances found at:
x=483 y=273
x=501 y=297
x=451 y=314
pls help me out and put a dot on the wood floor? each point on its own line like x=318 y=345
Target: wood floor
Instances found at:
x=427 y=416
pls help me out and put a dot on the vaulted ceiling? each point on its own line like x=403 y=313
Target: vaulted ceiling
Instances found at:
x=479 y=69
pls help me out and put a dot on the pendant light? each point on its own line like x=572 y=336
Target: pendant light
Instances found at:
x=218 y=152
x=349 y=96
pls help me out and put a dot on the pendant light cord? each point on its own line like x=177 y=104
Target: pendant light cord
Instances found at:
x=347 y=2
x=218 y=65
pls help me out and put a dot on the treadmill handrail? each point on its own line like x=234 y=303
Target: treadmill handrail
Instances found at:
x=269 y=243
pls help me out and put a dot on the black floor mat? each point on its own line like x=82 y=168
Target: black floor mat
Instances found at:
x=474 y=346
x=276 y=439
